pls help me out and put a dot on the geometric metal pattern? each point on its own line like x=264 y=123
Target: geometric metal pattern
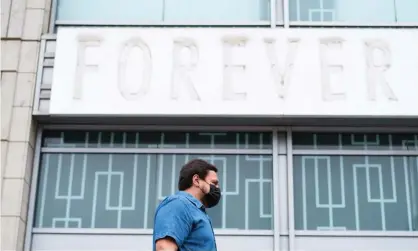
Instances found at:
x=355 y=141
x=329 y=205
x=122 y=190
x=312 y=10
x=341 y=181
x=321 y=11
x=153 y=139
x=352 y=11
x=355 y=192
x=380 y=198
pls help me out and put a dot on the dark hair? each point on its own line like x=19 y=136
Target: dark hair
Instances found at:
x=195 y=166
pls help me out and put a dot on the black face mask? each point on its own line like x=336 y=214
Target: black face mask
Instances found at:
x=212 y=198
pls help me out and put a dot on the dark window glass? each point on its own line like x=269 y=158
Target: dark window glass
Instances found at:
x=123 y=190
x=355 y=141
x=354 y=11
x=121 y=139
x=160 y=11
x=370 y=193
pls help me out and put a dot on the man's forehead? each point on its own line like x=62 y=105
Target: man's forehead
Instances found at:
x=212 y=173
x=212 y=176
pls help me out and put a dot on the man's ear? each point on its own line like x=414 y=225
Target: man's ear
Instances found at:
x=195 y=180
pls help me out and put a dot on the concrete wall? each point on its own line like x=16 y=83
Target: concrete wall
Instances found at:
x=22 y=24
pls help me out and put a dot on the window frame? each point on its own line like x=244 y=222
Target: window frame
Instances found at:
x=409 y=152
x=283 y=195
x=277 y=8
x=54 y=23
x=339 y=24
x=40 y=150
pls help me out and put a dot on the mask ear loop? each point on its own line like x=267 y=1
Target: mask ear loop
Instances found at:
x=206 y=183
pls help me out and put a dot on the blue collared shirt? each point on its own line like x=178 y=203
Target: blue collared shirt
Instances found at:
x=183 y=218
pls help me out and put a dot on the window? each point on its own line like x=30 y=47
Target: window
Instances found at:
x=136 y=12
x=106 y=179
x=356 y=182
x=362 y=12
x=236 y=12
x=346 y=182
x=406 y=10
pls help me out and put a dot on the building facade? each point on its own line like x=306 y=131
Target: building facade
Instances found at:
x=307 y=107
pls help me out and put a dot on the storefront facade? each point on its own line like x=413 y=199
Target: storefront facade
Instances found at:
x=314 y=129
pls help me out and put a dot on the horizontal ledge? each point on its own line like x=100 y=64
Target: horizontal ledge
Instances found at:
x=278 y=24
x=230 y=232
x=47 y=87
x=353 y=24
x=160 y=23
x=347 y=129
x=110 y=231
x=167 y=128
x=405 y=153
x=49 y=36
x=49 y=55
x=43 y=95
x=47 y=64
x=288 y=122
x=356 y=233
x=294 y=129
x=157 y=151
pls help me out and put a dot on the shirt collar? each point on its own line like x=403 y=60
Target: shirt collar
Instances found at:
x=191 y=198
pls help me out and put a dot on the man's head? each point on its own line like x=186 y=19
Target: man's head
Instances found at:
x=200 y=179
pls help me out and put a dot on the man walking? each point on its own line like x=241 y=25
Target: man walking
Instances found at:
x=181 y=222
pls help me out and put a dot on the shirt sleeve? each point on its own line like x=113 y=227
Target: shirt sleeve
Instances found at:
x=173 y=220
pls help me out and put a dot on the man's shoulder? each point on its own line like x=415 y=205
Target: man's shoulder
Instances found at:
x=174 y=201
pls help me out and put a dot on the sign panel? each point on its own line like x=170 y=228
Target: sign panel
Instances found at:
x=239 y=72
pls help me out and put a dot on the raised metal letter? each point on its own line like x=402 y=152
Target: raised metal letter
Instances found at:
x=182 y=70
x=82 y=67
x=281 y=78
x=145 y=82
x=376 y=70
x=328 y=68
x=230 y=68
